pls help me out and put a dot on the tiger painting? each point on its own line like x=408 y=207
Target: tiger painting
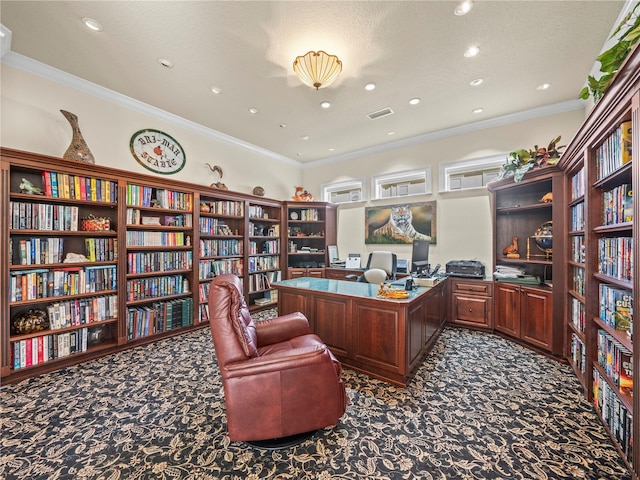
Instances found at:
x=399 y=227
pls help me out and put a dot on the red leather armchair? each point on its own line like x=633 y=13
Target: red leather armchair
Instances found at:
x=279 y=379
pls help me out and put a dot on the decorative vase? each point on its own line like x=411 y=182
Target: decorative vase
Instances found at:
x=78 y=149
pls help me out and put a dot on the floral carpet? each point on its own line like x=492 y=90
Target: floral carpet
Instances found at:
x=480 y=407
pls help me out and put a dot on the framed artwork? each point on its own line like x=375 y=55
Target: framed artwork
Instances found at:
x=400 y=223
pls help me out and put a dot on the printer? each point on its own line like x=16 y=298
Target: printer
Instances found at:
x=465 y=268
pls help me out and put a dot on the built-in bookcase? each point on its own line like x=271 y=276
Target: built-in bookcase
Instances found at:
x=602 y=171
x=60 y=229
x=221 y=243
x=159 y=250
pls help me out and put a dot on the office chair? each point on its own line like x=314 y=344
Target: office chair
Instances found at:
x=378 y=262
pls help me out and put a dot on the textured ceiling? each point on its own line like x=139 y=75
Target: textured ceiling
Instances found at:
x=408 y=48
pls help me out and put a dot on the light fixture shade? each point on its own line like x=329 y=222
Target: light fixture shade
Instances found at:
x=317 y=69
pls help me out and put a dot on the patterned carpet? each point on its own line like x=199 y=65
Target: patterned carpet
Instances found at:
x=480 y=407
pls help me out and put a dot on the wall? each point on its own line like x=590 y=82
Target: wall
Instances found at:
x=31 y=121
x=464 y=229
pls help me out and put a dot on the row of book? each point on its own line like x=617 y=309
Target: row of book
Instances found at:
x=38 y=250
x=577 y=184
x=215 y=248
x=225 y=207
x=578 y=280
x=77 y=187
x=166 y=261
x=266 y=247
x=578 y=353
x=260 y=230
x=157 y=239
x=102 y=249
x=577 y=217
x=43 y=216
x=34 y=351
x=159 y=317
x=308 y=214
x=142 y=288
x=615 y=257
x=263 y=281
x=618 y=205
x=578 y=314
x=578 y=249
x=144 y=196
x=616 y=308
x=617 y=417
x=215 y=226
x=615 y=151
x=135 y=216
x=82 y=311
x=59 y=282
x=616 y=361
x=213 y=268
x=260 y=264
x=269 y=297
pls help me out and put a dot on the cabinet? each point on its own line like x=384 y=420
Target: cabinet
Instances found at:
x=471 y=302
x=525 y=313
x=524 y=220
x=601 y=167
x=311 y=226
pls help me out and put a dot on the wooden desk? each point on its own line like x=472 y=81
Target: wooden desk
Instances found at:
x=384 y=338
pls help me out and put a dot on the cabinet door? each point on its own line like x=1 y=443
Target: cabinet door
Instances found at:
x=507 y=309
x=536 y=317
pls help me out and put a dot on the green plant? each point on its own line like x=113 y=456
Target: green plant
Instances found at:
x=521 y=161
x=627 y=33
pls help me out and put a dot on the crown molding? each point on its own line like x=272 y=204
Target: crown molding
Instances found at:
x=534 y=113
x=53 y=74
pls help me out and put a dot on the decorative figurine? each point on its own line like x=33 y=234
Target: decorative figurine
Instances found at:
x=512 y=250
x=27 y=187
x=219 y=185
x=78 y=149
x=259 y=191
x=547 y=198
x=75 y=258
x=301 y=195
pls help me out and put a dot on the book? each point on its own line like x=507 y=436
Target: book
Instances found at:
x=623 y=312
x=627 y=204
x=626 y=144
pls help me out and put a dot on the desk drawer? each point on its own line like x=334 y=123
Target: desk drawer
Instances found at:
x=472 y=287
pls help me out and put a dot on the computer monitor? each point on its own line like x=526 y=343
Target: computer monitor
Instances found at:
x=420 y=257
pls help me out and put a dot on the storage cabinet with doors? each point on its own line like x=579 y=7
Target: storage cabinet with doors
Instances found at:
x=311 y=226
x=525 y=215
x=524 y=312
x=471 y=302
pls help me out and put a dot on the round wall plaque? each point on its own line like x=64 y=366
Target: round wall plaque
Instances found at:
x=157 y=151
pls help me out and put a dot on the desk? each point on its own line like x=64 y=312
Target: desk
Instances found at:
x=384 y=338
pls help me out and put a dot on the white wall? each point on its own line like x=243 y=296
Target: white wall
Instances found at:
x=464 y=229
x=31 y=121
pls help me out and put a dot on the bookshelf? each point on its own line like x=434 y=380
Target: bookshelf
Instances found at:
x=601 y=170
x=311 y=226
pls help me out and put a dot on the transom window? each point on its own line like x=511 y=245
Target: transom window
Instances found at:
x=344 y=192
x=470 y=174
x=402 y=184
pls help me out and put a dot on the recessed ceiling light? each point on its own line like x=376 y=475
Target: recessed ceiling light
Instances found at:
x=165 y=63
x=325 y=104
x=472 y=52
x=543 y=86
x=331 y=149
x=305 y=137
x=463 y=7
x=283 y=125
x=299 y=154
x=414 y=101
x=476 y=82
x=216 y=90
x=92 y=24
x=370 y=86
x=391 y=133
x=253 y=110
x=477 y=110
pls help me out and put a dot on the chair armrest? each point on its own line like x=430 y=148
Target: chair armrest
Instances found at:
x=281 y=329
x=294 y=358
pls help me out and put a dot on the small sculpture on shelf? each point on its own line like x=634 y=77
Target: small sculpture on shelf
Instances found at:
x=78 y=149
x=217 y=169
x=75 y=258
x=259 y=191
x=511 y=251
x=547 y=198
x=27 y=187
x=301 y=195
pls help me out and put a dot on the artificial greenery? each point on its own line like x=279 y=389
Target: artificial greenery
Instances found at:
x=521 y=161
x=628 y=33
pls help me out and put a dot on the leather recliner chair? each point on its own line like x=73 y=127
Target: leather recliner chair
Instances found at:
x=279 y=379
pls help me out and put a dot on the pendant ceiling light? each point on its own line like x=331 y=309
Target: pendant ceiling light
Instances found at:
x=317 y=69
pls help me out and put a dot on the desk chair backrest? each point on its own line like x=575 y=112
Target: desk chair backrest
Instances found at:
x=386 y=261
